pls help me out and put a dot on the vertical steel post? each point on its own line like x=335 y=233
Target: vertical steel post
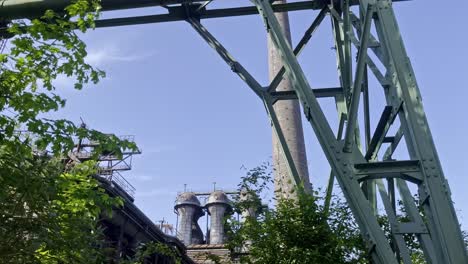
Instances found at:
x=434 y=192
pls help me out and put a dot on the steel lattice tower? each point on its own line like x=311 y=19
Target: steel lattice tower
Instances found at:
x=361 y=174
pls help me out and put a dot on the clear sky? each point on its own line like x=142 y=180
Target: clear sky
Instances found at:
x=198 y=123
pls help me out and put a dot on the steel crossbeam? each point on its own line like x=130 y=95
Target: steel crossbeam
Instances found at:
x=360 y=174
x=19 y=9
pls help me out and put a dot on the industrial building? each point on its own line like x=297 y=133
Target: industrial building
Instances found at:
x=370 y=170
x=127 y=227
x=189 y=210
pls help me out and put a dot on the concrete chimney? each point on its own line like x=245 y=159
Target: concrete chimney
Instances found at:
x=289 y=115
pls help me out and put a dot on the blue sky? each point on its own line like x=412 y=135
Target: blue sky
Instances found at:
x=198 y=123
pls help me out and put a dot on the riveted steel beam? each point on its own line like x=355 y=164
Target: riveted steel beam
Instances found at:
x=395 y=226
x=331 y=177
x=386 y=119
x=387 y=167
x=177 y=13
x=318 y=92
x=19 y=9
x=442 y=221
x=356 y=94
x=367 y=221
x=414 y=177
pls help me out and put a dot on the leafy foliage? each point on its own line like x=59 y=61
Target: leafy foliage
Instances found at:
x=301 y=230
x=49 y=215
x=42 y=50
x=296 y=231
x=152 y=249
x=80 y=202
x=49 y=211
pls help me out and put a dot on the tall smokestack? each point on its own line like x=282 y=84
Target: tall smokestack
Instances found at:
x=289 y=115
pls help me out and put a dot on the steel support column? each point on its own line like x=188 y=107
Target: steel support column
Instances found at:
x=391 y=51
x=339 y=160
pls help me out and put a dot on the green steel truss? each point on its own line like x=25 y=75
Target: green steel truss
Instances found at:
x=361 y=174
x=441 y=237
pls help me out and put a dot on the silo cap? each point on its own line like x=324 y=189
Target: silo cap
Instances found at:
x=187 y=198
x=218 y=197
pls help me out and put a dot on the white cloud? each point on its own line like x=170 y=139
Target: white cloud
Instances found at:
x=103 y=56
x=99 y=58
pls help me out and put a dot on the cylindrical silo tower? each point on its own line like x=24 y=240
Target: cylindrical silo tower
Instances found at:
x=250 y=207
x=189 y=210
x=250 y=202
x=218 y=206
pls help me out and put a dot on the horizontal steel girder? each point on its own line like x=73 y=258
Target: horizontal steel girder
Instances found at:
x=179 y=13
x=19 y=9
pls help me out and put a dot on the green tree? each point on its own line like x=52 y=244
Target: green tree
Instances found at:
x=146 y=251
x=301 y=230
x=296 y=231
x=49 y=208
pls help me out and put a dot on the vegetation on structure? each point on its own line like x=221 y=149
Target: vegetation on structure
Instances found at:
x=295 y=231
x=152 y=250
x=301 y=230
x=49 y=209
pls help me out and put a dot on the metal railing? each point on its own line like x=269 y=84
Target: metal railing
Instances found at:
x=118 y=179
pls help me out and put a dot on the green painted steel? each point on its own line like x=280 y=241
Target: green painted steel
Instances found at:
x=14 y=9
x=340 y=161
x=356 y=89
x=434 y=192
x=361 y=175
x=17 y=9
x=439 y=246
